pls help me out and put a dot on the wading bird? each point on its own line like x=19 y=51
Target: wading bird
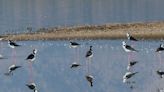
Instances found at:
x=75 y=65
x=74 y=44
x=89 y=53
x=131 y=63
x=160 y=73
x=128 y=75
x=12 y=44
x=89 y=78
x=31 y=57
x=11 y=69
x=128 y=48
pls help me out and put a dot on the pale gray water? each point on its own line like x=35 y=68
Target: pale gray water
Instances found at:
x=17 y=15
x=52 y=73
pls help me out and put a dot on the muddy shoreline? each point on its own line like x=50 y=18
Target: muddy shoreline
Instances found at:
x=153 y=30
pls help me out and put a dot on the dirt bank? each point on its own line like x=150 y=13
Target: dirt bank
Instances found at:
x=154 y=30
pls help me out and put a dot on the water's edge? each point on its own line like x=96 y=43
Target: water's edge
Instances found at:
x=153 y=30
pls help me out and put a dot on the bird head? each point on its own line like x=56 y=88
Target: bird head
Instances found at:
x=161 y=45
x=91 y=48
x=34 y=51
x=123 y=43
x=9 y=41
x=128 y=35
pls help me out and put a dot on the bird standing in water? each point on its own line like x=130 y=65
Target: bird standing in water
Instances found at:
x=12 y=44
x=75 y=64
x=12 y=68
x=128 y=48
x=89 y=53
x=160 y=73
x=89 y=78
x=31 y=57
x=74 y=44
x=128 y=75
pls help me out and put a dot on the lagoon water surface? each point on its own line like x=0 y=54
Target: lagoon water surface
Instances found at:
x=17 y=15
x=52 y=72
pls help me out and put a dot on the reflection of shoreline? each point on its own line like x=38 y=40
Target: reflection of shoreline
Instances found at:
x=153 y=30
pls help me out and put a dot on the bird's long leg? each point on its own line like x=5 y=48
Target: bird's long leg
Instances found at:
x=30 y=72
x=128 y=57
x=78 y=55
x=160 y=60
x=134 y=55
x=74 y=55
x=14 y=56
x=87 y=66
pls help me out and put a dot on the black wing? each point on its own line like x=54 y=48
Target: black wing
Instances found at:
x=74 y=43
x=30 y=86
x=133 y=63
x=89 y=53
x=133 y=39
x=130 y=48
x=130 y=75
x=75 y=65
x=31 y=56
x=14 y=68
x=159 y=49
x=14 y=44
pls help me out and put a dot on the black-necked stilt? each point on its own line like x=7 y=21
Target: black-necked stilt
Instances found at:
x=160 y=48
x=74 y=44
x=128 y=75
x=76 y=58
x=160 y=73
x=31 y=57
x=74 y=65
x=131 y=63
x=12 y=44
x=128 y=48
x=12 y=68
x=89 y=78
x=131 y=37
x=89 y=53
x=32 y=86
x=89 y=56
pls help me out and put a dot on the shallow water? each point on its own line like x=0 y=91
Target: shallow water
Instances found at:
x=17 y=15
x=52 y=72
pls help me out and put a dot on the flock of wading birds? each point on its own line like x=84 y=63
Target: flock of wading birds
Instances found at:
x=127 y=48
x=89 y=55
